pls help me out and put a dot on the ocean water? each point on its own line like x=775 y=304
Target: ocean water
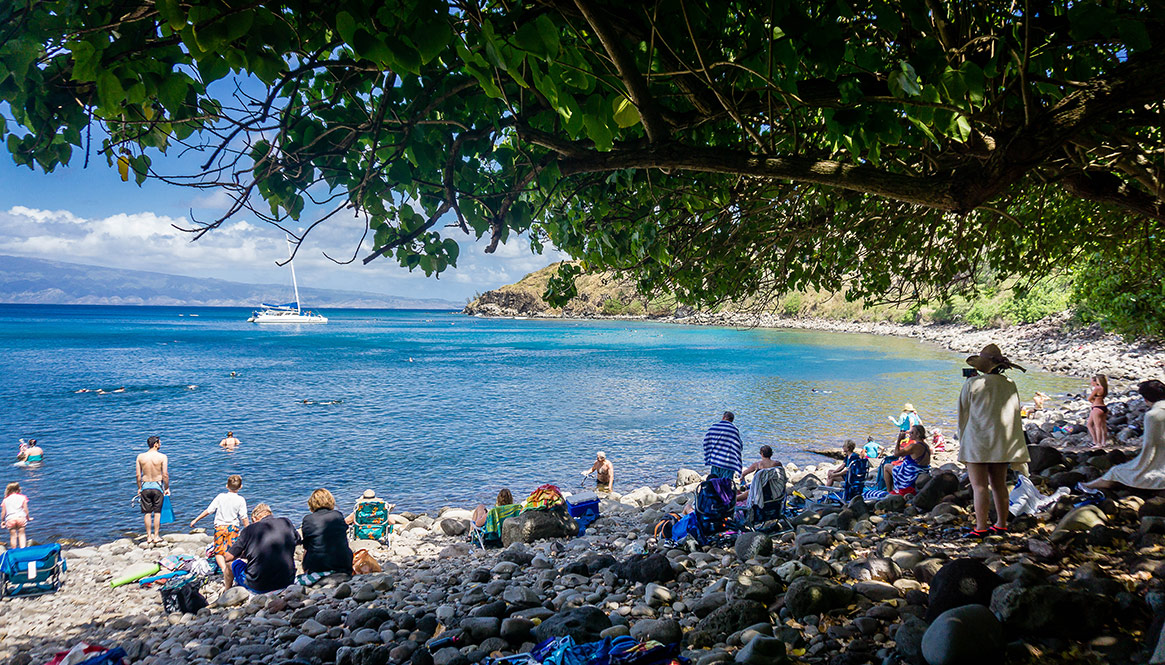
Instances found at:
x=434 y=408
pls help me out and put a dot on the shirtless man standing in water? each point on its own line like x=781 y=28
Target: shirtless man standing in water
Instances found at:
x=153 y=483
x=230 y=442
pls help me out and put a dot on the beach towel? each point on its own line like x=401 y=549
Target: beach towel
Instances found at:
x=684 y=527
x=312 y=579
x=89 y=654
x=544 y=498
x=905 y=473
x=494 y=518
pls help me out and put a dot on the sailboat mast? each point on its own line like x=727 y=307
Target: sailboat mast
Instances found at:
x=294 y=283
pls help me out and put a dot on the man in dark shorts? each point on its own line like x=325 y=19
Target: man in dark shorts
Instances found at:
x=153 y=475
x=262 y=558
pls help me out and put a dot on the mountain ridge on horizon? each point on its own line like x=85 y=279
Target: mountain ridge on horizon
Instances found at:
x=31 y=281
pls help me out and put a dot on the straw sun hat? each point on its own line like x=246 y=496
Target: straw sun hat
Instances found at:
x=990 y=358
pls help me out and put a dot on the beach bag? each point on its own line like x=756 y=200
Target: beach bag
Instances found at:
x=363 y=563
x=183 y=598
x=663 y=528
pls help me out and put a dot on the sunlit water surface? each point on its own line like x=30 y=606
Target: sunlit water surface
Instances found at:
x=435 y=408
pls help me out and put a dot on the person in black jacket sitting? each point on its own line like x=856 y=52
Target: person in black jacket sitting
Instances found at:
x=263 y=556
x=325 y=536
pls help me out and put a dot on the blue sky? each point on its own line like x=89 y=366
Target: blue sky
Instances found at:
x=90 y=216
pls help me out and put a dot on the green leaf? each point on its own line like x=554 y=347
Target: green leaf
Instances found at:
x=452 y=250
x=432 y=38
x=172 y=13
x=109 y=90
x=626 y=115
x=346 y=26
x=959 y=128
x=549 y=34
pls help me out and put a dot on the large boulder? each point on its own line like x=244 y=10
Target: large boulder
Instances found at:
x=961 y=582
x=939 y=486
x=879 y=569
x=753 y=544
x=537 y=525
x=688 y=477
x=727 y=619
x=908 y=638
x=645 y=568
x=762 y=650
x=1051 y=611
x=967 y=635
x=1080 y=519
x=664 y=631
x=814 y=595
x=1043 y=458
x=582 y=623
x=641 y=497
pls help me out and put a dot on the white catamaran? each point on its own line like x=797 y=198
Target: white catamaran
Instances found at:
x=288 y=312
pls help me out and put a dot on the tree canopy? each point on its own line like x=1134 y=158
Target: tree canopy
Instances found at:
x=709 y=148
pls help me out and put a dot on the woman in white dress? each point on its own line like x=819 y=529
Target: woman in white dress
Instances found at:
x=1147 y=470
x=990 y=436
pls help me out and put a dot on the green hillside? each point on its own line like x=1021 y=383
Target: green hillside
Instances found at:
x=994 y=303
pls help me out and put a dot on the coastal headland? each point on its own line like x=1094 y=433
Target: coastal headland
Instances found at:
x=1053 y=343
x=857 y=583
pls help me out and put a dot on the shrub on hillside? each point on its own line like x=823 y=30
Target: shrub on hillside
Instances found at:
x=1126 y=295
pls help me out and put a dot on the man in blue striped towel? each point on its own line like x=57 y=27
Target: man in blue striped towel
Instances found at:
x=723 y=447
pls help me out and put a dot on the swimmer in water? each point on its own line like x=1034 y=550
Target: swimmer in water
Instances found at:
x=120 y=390
x=234 y=374
x=82 y=390
x=191 y=387
x=410 y=358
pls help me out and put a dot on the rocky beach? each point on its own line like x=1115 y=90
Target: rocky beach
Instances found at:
x=891 y=581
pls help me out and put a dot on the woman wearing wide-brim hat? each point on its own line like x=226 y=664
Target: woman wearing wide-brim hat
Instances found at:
x=990 y=436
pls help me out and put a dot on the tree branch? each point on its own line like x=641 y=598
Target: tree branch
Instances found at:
x=653 y=123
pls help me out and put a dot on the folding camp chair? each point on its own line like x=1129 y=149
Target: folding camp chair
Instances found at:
x=31 y=571
x=490 y=534
x=854 y=482
x=766 y=500
x=370 y=521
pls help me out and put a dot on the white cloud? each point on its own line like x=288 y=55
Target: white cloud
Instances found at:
x=247 y=252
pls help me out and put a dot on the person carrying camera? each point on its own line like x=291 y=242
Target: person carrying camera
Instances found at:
x=990 y=435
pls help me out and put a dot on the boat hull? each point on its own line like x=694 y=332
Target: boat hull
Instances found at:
x=263 y=317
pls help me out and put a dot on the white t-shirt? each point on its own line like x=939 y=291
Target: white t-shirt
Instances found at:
x=229 y=509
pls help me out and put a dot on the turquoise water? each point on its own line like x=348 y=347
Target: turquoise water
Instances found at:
x=483 y=403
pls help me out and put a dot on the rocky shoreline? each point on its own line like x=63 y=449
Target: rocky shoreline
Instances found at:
x=892 y=581
x=1050 y=344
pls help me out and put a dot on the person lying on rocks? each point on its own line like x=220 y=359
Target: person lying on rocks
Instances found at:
x=505 y=498
x=1146 y=471
x=262 y=558
x=837 y=474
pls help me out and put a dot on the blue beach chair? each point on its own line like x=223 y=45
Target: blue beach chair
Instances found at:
x=854 y=483
x=31 y=571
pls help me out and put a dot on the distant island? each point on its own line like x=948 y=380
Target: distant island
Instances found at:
x=36 y=281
